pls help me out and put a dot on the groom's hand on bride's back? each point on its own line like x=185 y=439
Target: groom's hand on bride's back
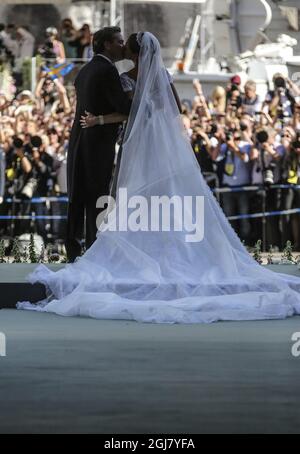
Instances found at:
x=115 y=94
x=88 y=120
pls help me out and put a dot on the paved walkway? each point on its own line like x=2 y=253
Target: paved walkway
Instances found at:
x=80 y=375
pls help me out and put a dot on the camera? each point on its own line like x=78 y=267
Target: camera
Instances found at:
x=17 y=143
x=46 y=50
x=268 y=176
x=229 y=134
x=29 y=188
x=234 y=87
x=36 y=141
x=279 y=82
x=262 y=137
x=213 y=129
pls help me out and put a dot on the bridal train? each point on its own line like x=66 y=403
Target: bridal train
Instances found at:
x=157 y=276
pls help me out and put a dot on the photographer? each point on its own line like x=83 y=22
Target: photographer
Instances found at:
x=234 y=103
x=281 y=100
x=60 y=190
x=266 y=160
x=233 y=97
x=42 y=181
x=20 y=164
x=236 y=172
x=291 y=196
x=234 y=83
x=18 y=172
x=67 y=36
x=205 y=144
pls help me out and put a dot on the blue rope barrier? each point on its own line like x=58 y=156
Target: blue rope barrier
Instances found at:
x=37 y=200
x=230 y=218
x=237 y=189
x=255 y=188
x=219 y=190
x=262 y=215
x=32 y=217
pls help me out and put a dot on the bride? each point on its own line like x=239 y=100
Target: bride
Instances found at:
x=157 y=274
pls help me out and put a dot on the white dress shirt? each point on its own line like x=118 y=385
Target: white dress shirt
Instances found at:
x=106 y=58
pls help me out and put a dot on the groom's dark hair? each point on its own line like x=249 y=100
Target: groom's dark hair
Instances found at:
x=103 y=35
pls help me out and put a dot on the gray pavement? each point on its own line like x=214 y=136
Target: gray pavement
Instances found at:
x=79 y=375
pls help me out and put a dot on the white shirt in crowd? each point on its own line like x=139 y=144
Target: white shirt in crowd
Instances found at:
x=251 y=106
x=26 y=45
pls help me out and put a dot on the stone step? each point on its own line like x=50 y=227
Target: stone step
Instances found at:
x=14 y=286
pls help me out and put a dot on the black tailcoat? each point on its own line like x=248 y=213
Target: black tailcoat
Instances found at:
x=91 y=151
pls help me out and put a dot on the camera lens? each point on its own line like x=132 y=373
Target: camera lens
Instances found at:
x=279 y=82
x=36 y=141
x=17 y=142
x=268 y=177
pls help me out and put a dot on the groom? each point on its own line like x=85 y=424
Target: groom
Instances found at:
x=92 y=150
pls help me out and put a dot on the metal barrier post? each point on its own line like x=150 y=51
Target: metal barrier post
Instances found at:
x=13 y=213
x=264 y=219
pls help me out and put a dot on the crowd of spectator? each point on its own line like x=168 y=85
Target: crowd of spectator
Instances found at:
x=241 y=140
x=34 y=135
x=35 y=128
x=65 y=42
x=238 y=138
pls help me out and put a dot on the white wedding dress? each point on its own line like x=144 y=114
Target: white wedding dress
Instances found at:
x=157 y=276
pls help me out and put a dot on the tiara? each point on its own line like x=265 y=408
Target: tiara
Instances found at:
x=139 y=37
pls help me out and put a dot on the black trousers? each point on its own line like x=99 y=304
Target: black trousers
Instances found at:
x=92 y=176
x=81 y=220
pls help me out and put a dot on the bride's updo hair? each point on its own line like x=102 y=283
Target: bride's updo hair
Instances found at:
x=133 y=43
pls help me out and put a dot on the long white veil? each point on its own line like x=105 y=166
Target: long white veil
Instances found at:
x=155 y=275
